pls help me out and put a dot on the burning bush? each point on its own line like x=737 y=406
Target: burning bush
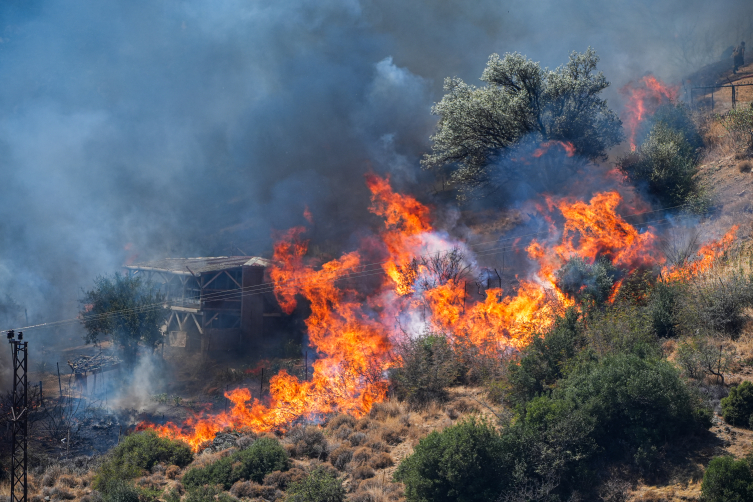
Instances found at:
x=587 y=282
x=318 y=486
x=428 y=367
x=264 y=456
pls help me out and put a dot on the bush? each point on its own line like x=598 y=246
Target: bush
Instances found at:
x=663 y=309
x=586 y=282
x=727 y=480
x=636 y=404
x=319 y=486
x=737 y=408
x=139 y=452
x=700 y=357
x=676 y=116
x=120 y=491
x=545 y=360
x=308 y=441
x=428 y=368
x=666 y=164
x=208 y=494
x=461 y=463
x=621 y=328
x=739 y=125
x=719 y=302
x=264 y=456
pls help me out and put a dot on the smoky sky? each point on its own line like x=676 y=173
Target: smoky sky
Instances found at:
x=143 y=129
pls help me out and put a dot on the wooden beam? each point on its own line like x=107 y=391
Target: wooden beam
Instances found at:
x=206 y=323
x=198 y=326
x=232 y=279
x=213 y=278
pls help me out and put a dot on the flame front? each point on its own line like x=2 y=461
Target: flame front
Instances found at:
x=352 y=331
x=644 y=99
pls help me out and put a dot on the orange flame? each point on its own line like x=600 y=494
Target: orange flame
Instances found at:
x=644 y=99
x=351 y=330
x=704 y=259
x=544 y=148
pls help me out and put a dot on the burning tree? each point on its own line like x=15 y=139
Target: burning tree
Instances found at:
x=127 y=310
x=478 y=125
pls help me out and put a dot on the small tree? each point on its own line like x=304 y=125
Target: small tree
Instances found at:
x=727 y=480
x=702 y=356
x=319 y=486
x=477 y=125
x=127 y=310
x=737 y=408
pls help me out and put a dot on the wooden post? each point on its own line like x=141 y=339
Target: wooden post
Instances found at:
x=41 y=395
x=733 y=97
x=261 y=384
x=306 y=366
x=712 y=100
x=60 y=385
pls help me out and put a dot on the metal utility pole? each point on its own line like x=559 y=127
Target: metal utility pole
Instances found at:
x=19 y=420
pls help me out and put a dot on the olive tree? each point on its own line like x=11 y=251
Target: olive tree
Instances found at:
x=125 y=309
x=478 y=126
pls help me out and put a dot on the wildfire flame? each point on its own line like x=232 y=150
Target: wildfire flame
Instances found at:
x=643 y=99
x=704 y=259
x=352 y=330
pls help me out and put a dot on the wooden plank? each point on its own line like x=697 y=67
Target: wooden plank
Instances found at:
x=232 y=278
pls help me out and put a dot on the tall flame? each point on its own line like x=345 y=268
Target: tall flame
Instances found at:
x=352 y=331
x=643 y=99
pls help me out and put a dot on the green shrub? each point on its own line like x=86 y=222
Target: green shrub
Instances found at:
x=737 y=408
x=545 y=359
x=587 y=282
x=265 y=455
x=139 y=452
x=666 y=164
x=677 y=117
x=727 y=480
x=663 y=309
x=319 y=486
x=462 y=463
x=622 y=328
x=637 y=404
x=429 y=367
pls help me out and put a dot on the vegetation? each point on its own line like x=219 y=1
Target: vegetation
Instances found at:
x=585 y=282
x=429 y=367
x=739 y=124
x=737 y=408
x=462 y=463
x=727 y=480
x=666 y=165
x=478 y=126
x=126 y=309
x=136 y=454
x=318 y=486
x=264 y=456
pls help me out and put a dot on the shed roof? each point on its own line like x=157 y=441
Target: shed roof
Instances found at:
x=189 y=266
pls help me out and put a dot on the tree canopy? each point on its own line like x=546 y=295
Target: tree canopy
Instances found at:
x=479 y=125
x=126 y=309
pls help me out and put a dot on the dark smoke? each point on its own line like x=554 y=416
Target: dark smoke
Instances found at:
x=185 y=128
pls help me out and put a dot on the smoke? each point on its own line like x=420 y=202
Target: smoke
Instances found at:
x=138 y=130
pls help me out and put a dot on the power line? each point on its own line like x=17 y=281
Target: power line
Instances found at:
x=365 y=270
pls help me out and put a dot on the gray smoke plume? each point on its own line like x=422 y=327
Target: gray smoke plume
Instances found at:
x=138 y=130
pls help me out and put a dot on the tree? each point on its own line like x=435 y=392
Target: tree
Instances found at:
x=479 y=125
x=126 y=309
x=727 y=480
